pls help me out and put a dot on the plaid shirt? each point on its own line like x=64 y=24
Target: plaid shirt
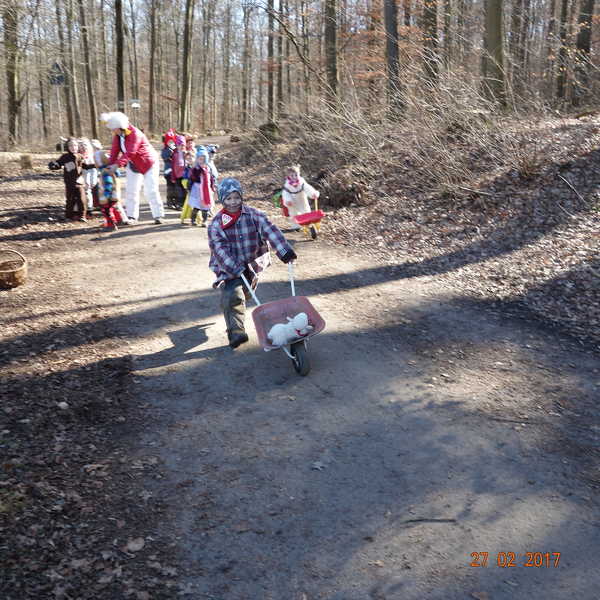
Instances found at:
x=244 y=244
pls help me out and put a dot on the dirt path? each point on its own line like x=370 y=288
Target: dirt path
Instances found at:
x=431 y=427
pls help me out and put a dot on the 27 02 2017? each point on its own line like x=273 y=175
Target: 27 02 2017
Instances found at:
x=507 y=560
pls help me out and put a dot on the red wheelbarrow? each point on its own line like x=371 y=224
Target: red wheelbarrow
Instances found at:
x=278 y=311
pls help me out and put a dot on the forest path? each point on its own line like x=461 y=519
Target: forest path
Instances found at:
x=431 y=427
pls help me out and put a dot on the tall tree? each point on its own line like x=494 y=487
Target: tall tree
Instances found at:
x=430 y=38
x=184 y=119
x=73 y=67
x=390 y=17
x=120 y=63
x=66 y=87
x=270 y=56
x=151 y=84
x=88 y=71
x=493 y=59
x=11 y=15
x=280 y=106
x=246 y=11
x=564 y=51
x=226 y=66
x=331 y=66
x=582 y=57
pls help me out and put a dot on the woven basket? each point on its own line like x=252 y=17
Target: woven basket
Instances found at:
x=13 y=269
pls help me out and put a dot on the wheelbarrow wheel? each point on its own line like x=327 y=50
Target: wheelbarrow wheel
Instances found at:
x=301 y=360
x=313 y=232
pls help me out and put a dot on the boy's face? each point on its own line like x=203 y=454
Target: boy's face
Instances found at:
x=201 y=159
x=292 y=174
x=72 y=147
x=233 y=202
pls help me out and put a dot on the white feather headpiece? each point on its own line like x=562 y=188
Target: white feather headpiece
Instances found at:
x=115 y=120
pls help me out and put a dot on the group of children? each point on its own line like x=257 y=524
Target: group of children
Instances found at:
x=190 y=175
x=89 y=183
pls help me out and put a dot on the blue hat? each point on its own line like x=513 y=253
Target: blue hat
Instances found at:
x=228 y=186
x=201 y=150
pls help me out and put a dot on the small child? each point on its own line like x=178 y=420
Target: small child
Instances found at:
x=110 y=204
x=71 y=162
x=202 y=187
x=212 y=150
x=178 y=171
x=295 y=195
x=90 y=173
x=167 y=155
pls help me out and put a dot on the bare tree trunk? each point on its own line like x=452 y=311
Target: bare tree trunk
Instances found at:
x=10 y=24
x=184 y=119
x=430 y=41
x=151 y=84
x=66 y=87
x=448 y=37
x=73 y=70
x=280 y=105
x=88 y=71
x=306 y=52
x=104 y=53
x=226 y=67
x=582 y=57
x=119 y=58
x=270 y=41
x=246 y=7
x=563 y=52
x=331 y=66
x=390 y=16
x=135 y=76
x=494 y=51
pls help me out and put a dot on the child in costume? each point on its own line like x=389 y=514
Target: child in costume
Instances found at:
x=71 y=162
x=212 y=150
x=90 y=173
x=202 y=186
x=178 y=171
x=239 y=238
x=296 y=194
x=110 y=199
x=167 y=155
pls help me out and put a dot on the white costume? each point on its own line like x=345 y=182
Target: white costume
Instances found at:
x=295 y=196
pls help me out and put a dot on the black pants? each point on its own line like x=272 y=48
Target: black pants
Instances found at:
x=76 y=204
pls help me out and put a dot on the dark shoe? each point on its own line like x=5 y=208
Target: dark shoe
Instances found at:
x=203 y=224
x=158 y=221
x=237 y=338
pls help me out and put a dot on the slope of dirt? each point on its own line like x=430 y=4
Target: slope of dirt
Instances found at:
x=524 y=233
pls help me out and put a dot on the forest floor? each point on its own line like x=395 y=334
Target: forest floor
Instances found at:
x=142 y=458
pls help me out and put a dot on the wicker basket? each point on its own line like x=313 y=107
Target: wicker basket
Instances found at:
x=13 y=269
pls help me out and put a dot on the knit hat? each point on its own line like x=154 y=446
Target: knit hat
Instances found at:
x=294 y=168
x=179 y=140
x=202 y=151
x=115 y=120
x=228 y=186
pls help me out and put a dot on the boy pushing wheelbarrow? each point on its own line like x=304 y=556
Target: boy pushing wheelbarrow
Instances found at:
x=239 y=237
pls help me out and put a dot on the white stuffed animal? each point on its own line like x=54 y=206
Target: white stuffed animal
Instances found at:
x=282 y=334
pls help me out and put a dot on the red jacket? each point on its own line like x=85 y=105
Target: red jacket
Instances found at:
x=137 y=150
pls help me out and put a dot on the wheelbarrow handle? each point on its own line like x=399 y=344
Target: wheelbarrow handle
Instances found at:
x=254 y=297
x=291 y=274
